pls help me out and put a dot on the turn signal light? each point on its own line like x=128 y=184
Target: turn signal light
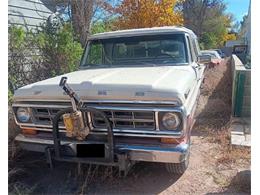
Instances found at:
x=29 y=131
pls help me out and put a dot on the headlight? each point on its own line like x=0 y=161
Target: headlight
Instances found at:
x=171 y=121
x=23 y=115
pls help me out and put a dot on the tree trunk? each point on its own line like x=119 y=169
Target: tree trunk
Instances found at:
x=81 y=13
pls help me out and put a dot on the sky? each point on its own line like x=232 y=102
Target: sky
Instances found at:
x=238 y=8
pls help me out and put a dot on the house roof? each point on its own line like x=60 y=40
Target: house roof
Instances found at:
x=142 y=31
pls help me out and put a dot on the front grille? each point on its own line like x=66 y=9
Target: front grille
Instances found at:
x=135 y=119
x=126 y=119
x=120 y=119
x=44 y=115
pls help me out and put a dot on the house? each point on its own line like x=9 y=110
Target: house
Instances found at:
x=245 y=37
x=29 y=13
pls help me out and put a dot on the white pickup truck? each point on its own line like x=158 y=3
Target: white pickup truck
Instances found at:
x=145 y=81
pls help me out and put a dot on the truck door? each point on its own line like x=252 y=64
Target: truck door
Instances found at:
x=194 y=52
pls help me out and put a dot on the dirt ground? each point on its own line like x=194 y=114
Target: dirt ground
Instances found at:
x=213 y=168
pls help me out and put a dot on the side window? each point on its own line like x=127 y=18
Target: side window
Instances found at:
x=193 y=56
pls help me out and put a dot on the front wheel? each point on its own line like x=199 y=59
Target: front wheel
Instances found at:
x=178 y=168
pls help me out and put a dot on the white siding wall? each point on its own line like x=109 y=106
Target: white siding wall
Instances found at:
x=29 y=13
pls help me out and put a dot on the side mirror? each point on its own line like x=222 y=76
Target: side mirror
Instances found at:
x=204 y=59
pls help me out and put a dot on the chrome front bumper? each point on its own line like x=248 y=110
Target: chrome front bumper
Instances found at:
x=175 y=154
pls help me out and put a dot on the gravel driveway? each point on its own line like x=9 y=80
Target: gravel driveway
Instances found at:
x=212 y=170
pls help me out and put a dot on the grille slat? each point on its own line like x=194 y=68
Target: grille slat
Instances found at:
x=126 y=119
x=43 y=115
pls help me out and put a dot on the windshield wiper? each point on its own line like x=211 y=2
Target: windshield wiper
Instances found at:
x=136 y=63
x=94 y=65
x=128 y=63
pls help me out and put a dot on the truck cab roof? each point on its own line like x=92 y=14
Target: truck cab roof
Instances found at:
x=143 y=31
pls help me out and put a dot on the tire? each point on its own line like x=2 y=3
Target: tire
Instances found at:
x=178 y=168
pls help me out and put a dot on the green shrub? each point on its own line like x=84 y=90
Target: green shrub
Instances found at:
x=61 y=52
x=19 y=52
x=41 y=54
x=10 y=97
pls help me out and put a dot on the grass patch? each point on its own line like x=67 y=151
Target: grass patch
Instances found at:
x=95 y=175
x=219 y=179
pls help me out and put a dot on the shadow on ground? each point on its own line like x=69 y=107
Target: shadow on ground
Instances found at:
x=144 y=178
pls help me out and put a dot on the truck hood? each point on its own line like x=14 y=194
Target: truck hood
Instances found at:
x=161 y=83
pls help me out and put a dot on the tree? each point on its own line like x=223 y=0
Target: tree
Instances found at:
x=207 y=18
x=81 y=15
x=101 y=26
x=145 y=13
x=197 y=13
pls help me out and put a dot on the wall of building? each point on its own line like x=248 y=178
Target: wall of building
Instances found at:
x=241 y=91
x=29 y=13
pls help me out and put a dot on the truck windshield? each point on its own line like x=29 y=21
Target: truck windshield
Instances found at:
x=139 y=50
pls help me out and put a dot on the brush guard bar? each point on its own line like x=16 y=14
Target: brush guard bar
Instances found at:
x=55 y=152
x=57 y=138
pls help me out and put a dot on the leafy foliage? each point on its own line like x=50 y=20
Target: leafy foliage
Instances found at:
x=209 y=21
x=145 y=13
x=10 y=97
x=61 y=53
x=209 y=40
x=102 y=26
x=229 y=37
x=35 y=56
x=20 y=47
